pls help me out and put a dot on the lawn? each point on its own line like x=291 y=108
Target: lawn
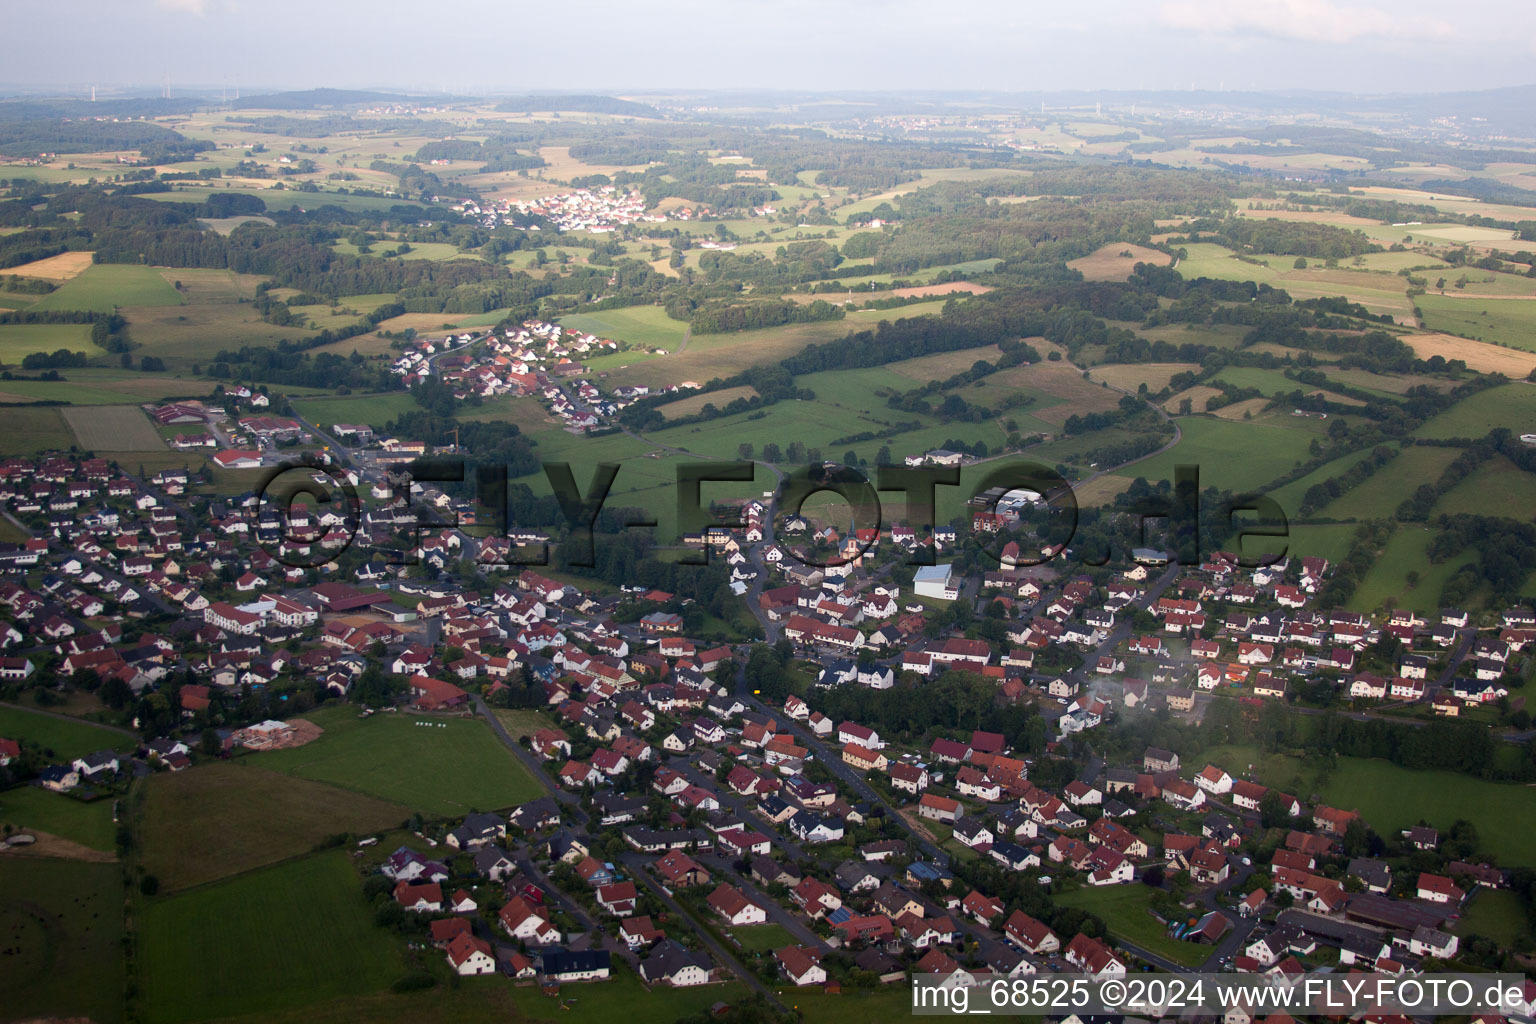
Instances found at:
x=760 y=937
x=106 y=286
x=851 y=1006
x=522 y=722
x=60 y=737
x=1509 y=322
x=61 y=930
x=32 y=807
x=275 y=939
x=228 y=818
x=1498 y=914
x=1124 y=909
x=1231 y=455
x=439 y=766
x=17 y=341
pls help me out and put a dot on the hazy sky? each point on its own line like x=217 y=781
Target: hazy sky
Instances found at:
x=511 y=45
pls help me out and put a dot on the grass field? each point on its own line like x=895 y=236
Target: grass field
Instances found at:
x=25 y=430
x=494 y=998
x=119 y=427
x=1378 y=496
x=1406 y=552
x=1124 y=909
x=1510 y=405
x=64 y=737
x=720 y=355
x=374 y=410
x=271 y=940
x=17 y=341
x=639 y=325
x=196 y=332
x=61 y=928
x=1391 y=798
x=1494 y=488
x=224 y=819
x=105 y=387
x=437 y=766
x=32 y=807
x=1233 y=455
x=105 y=286
x=1503 y=321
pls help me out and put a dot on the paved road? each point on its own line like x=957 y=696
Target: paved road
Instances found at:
x=724 y=957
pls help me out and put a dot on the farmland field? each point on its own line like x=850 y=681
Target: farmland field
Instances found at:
x=61 y=924
x=1407 y=551
x=119 y=427
x=384 y=756
x=62 y=267
x=1483 y=357
x=1510 y=322
x=65 y=737
x=105 y=286
x=271 y=940
x=224 y=819
x=26 y=430
x=105 y=387
x=1128 y=377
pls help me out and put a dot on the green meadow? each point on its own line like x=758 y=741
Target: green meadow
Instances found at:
x=61 y=932
x=439 y=766
x=103 y=287
x=271 y=940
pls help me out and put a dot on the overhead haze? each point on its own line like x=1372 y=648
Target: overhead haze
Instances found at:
x=477 y=46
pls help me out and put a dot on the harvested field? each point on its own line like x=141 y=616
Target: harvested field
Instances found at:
x=49 y=845
x=1478 y=355
x=1110 y=262
x=1130 y=376
x=62 y=267
x=1236 y=410
x=943 y=365
x=694 y=403
x=1197 y=395
x=953 y=287
x=1061 y=381
x=1101 y=491
x=119 y=427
